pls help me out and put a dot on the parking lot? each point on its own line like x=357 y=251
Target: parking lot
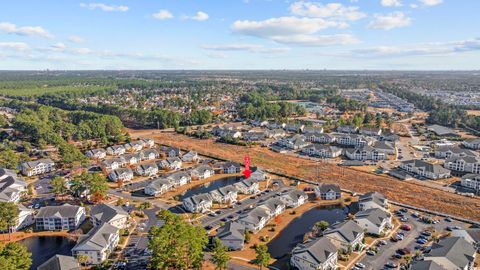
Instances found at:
x=385 y=253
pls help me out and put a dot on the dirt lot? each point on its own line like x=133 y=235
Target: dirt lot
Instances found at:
x=405 y=192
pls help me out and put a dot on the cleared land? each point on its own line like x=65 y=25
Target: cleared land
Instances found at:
x=405 y=192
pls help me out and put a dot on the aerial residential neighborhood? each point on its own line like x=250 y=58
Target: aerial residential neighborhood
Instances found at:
x=240 y=135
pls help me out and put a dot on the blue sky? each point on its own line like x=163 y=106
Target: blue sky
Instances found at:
x=240 y=34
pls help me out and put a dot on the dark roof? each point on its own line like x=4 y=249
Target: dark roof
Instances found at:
x=442 y=131
x=324 y=188
x=60 y=262
x=429 y=167
x=106 y=212
x=232 y=229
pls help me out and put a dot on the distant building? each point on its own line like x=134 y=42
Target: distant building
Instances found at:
x=424 y=169
x=191 y=156
x=98 y=153
x=116 y=150
x=471 y=181
x=370 y=131
x=472 y=143
x=470 y=164
x=37 y=167
x=365 y=152
x=453 y=152
x=322 y=151
x=328 y=192
x=442 y=131
x=347 y=129
x=97 y=244
x=58 y=218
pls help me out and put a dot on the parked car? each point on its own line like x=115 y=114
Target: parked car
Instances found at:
x=406 y=227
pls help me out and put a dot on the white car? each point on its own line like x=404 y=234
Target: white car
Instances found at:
x=360 y=265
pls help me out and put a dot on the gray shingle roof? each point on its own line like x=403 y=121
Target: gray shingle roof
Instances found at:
x=320 y=249
x=324 y=188
x=65 y=210
x=232 y=229
x=97 y=238
x=456 y=250
x=106 y=212
x=349 y=230
x=374 y=215
x=60 y=262
x=429 y=167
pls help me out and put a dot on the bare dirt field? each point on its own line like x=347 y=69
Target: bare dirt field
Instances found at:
x=404 y=192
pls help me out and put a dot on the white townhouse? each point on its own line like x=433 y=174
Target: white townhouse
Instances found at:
x=447 y=152
x=58 y=218
x=274 y=205
x=97 y=244
x=232 y=235
x=322 y=138
x=322 y=151
x=37 y=167
x=347 y=129
x=199 y=203
x=470 y=164
x=171 y=163
x=472 y=143
x=147 y=169
x=316 y=254
x=374 y=221
x=158 y=186
x=173 y=152
x=312 y=130
x=295 y=142
x=346 y=235
x=116 y=150
x=372 y=200
x=121 y=174
x=297 y=128
x=150 y=154
x=255 y=219
x=26 y=217
x=12 y=187
x=353 y=140
x=202 y=172
x=106 y=213
x=258 y=175
x=132 y=159
x=365 y=152
x=247 y=186
x=191 y=156
x=228 y=167
x=425 y=169
x=275 y=133
x=98 y=153
x=370 y=131
x=113 y=163
x=147 y=142
x=225 y=195
x=294 y=198
x=179 y=178
x=134 y=146
x=471 y=181
x=328 y=192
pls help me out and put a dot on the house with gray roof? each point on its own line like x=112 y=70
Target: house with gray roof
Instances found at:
x=322 y=138
x=471 y=181
x=368 y=131
x=294 y=198
x=121 y=174
x=253 y=136
x=98 y=153
x=425 y=169
x=316 y=254
x=132 y=158
x=158 y=187
x=473 y=143
x=347 y=129
x=134 y=146
x=374 y=221
x=297 y=128
x=346 y=235
x=232 y=235
x=353 y=140
x=447 y=152
x=147 y=169
x=295 y=142
x=106 y=213
x=452 y=253
x=426 y=265
x=116 y=150
x=36 y=167
x=199 y=203
x=313 y=130
x=57 y=218
x=255 y=219
x=171 y=163
x=365 y=152
x=60 y=262
x=328 y=191
x=471 y=235
x=275 y=133
x=179 y=178
x=150 y=154
x=225 y=195
x=274 y=205
x=12 y=187
x=258 y=175
x=228 y=167
x=470 y=164
x=442 y=131
x=247 y=186
x=386 y=147
x=113 y=163
x=97 y=244
x=202 y=172
x=322 y=151
x=191 y=156
x=372 y=200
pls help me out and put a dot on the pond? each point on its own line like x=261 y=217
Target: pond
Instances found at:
x=293 y=234
x=45 y=247
x=210 y=186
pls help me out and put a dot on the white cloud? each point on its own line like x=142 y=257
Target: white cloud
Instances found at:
x=104 y=7
x=433 y=48
x=76 y=39
x=163 y=14
x=245 y=47
x=331 y=10
x=200 y=16
x=58 y=46
x=390 y=21
x=413 y=5
x=391 y=3
x=431 y=2
x=294 y=30
x=11 y=28
x=18 y=46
